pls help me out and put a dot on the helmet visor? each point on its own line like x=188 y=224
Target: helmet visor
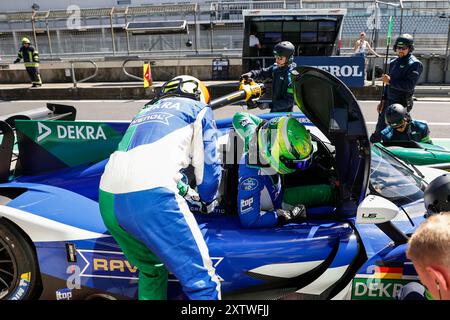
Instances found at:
x=297 y=164
x=397 y=124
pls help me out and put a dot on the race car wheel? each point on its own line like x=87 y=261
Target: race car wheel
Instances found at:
x=19 y=273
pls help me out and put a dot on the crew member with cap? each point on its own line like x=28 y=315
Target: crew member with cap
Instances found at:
x=402 y=128
x=280 y=73
x=404 y=72
x=30 y=58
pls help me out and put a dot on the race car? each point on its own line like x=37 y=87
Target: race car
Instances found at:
x=422 y=154
x=54 y=245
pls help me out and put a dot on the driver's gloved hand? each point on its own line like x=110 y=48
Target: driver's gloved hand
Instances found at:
x=296 y=214
x=246 y=76
x=264 y=105
x=207 y=208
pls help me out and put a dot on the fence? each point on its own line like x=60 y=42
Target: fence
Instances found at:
x=213 y=29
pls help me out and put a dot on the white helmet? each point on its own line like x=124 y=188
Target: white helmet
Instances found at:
x=185 y=86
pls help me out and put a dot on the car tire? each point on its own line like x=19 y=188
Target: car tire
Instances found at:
x=19 y=272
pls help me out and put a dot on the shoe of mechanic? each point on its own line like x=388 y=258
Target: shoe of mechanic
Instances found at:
x=296 y=214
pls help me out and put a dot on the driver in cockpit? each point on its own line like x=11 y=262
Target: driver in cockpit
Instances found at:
x=272 y=148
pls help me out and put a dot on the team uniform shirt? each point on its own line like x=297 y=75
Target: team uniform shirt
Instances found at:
x=282 y=88
x=163 y=139
x=416 y=131
x=259 y=195
x=404 y=73
x=140 y=202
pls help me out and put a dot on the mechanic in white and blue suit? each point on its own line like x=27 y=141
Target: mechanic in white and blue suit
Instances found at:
x=272 y=148
x=139 y=190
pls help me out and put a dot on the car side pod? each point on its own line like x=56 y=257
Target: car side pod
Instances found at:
x=380 y=211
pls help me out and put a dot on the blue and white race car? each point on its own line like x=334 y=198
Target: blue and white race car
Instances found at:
x=54 y=245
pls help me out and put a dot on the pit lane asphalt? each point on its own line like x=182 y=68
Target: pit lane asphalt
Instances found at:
x=436 y=113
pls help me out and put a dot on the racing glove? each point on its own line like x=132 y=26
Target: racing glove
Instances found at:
x=246 y=76
x=264 y=105
x=16 y=61
x=187 y=192
x=296 y=214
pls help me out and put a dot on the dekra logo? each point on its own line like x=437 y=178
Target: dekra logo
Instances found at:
x=71 y=132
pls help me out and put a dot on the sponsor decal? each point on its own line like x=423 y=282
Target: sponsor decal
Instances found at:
x=383 y=281
x=64 y=294
x=25 y=279
x=377 y=289
x=110 y=264
x=44 y=131
x=246 y=204
x=167 y=105
x=106 y=264
x=71 y=132
x=244 y=122
x=161 y=117
x=249 y=184
x=350 y=70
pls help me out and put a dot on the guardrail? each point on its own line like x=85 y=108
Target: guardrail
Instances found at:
x=72 y=71
x=129 y=74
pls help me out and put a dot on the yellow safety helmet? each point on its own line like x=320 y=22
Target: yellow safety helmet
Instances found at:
x=26 y=40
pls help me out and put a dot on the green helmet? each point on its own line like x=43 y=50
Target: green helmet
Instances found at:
x=285 y=144
x=26 y=40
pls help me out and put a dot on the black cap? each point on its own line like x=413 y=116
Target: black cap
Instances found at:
x=404 y=40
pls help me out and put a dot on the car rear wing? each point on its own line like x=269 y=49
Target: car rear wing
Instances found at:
x=53 y=111
x=8 y=158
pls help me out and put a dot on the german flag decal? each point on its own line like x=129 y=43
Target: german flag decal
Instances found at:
x=385 y=272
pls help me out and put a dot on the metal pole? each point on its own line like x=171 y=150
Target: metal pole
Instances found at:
x=48 y=36
x=112 y=31
x=401 y=20
x=375 y=41
x=447 y=48
x=211 y=31
x=197 y=28
x=34 y=30
x=126 y=31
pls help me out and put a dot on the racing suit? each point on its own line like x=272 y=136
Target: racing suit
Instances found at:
x=260 y=191
x=282 y=90
x=416 y=131
x=30 y=58
x=139 y=198
x=404 y=73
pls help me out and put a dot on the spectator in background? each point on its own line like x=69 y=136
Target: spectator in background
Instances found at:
x=254 y=46
x=429 y=250
x=362 y=45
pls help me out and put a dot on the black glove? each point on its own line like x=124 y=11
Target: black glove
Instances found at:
x=296 y=214
x=264 y=105
x=246 y=76
x=16 y=61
